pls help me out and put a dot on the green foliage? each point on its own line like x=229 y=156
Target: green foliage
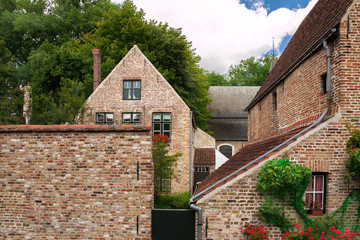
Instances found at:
x=274 y=214
x=284 y=178
x=353 y=148
x=250 y=72
x=286 y=181
x=11 y=96
x=216 y=79
x=163 y=163
x=172 y=201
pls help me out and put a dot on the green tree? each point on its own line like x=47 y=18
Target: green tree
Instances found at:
x=163 y=163
x=11 y=97
x=250 y=72
x=216 y=79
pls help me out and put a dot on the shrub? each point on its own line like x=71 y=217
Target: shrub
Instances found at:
x=172 y=201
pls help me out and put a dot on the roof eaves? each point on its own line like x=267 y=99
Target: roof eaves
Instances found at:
x=293 y=66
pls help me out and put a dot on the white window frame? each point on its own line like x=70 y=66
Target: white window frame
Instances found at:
x=162 y=122
x=314 y=192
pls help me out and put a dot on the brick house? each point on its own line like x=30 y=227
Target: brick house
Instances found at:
x=136 y=93
x=301 y=108
x=230 y=120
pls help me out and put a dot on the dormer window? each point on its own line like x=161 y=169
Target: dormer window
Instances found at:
x=132 y=90
x=105 y=118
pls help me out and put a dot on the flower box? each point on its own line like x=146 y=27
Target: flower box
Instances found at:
x=316 y=212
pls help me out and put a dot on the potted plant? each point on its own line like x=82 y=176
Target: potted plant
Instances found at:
x=316 y=208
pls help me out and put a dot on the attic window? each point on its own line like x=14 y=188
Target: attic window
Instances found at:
x=324 y=83
x=132 y=90
x=274 y=100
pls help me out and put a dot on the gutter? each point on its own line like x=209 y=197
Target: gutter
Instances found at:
x=293 y=66
x=194 y=198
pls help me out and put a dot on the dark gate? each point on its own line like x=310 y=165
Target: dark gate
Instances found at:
x=173 y=224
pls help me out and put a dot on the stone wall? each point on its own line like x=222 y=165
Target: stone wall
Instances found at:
x=75 y=182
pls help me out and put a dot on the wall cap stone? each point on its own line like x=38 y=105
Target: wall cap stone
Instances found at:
x=74 y=128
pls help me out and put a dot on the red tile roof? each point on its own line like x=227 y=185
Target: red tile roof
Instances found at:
x=204 y=156
x=246 y=155
x=326 y=14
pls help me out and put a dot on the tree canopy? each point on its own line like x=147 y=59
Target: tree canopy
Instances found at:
x=249 y=72
x=48 y=43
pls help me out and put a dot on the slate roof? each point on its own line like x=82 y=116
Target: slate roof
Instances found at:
x=326 y=14
x=229 y=129
x=246 y=155
x=229 y=122
x=204 y=156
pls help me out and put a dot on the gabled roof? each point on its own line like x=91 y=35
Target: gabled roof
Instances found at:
x=246 y=155
x=204 y=156
x=230 y=101
x=316 y=27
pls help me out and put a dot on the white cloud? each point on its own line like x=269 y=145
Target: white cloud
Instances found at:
x=224 y=32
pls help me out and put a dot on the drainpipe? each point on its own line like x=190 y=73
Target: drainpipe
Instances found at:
x=190 y=165
x=328 y=80
x=192 y=199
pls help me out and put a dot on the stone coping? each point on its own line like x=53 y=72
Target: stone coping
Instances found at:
x=75 y=128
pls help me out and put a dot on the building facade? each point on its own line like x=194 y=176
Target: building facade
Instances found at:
x=297 y=112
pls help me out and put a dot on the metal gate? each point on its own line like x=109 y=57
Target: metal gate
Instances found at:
x=173 y=224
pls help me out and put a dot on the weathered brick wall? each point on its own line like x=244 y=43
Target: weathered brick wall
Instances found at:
x=157 y=95
x=75 y=182
x=203 y=140
x=322 y=150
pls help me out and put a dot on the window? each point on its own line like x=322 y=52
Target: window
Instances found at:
x=275 y=100
x=105 y=118
x=132 y=90
x=227 y=150
x=162 y=124
x=315 y=192
x=202 y=169
x=131 y=117
x=324 y=83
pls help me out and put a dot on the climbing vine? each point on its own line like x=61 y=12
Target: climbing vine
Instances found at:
x=283 y=183
x=353 y=148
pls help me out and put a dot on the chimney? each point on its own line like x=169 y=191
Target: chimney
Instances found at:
x=97 y=67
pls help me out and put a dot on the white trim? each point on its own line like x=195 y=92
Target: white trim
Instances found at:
x=226 y=144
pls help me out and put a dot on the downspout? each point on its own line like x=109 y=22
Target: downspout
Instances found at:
x=199 y=210
x=190 y=164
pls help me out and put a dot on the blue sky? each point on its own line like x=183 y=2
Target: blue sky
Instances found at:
x=223 y=32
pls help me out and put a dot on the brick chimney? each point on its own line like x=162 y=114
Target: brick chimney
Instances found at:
x=97 y=67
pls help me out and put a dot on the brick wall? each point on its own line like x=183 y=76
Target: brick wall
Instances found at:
x=75 y=182
x=157 y=95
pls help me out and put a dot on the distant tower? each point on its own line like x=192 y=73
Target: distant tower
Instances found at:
x=273 y=59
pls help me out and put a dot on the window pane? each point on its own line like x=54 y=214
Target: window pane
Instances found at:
x=126 y=117
x=136 y=84
x=308 y=199
x=167 y=134
x=157 y=127
x=157 y=117
x=127 y=93
x=100 y=117
x=167 y=117
x=109 y=117
x=310 y=187
x=226 y=150
x=318 y=200
x=136 y=117
x=137 y=94
x=167 y=126
x=127 y=84
x=319 y=182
